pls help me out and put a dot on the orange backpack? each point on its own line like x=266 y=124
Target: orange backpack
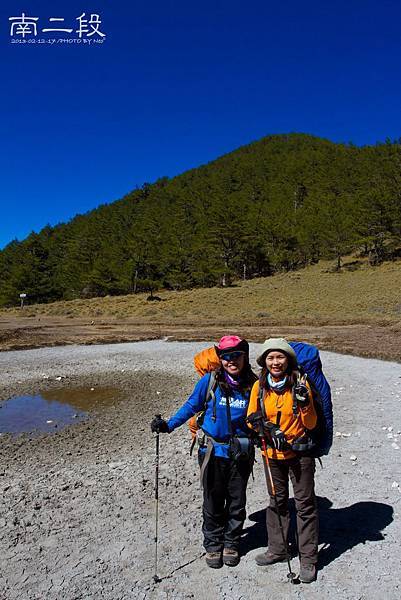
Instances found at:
x=205 y=361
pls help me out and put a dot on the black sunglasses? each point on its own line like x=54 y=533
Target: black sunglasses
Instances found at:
x=231 y=355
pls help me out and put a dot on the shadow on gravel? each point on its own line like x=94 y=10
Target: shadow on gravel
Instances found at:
x=344 y=528
x=174 y=571
x=340 y=529
x=254 y=536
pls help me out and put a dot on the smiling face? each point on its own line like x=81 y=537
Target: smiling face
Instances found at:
x=233 y=363
x=277 y=364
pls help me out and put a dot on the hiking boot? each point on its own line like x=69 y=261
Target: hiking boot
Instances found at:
x=230 y=557
x=268 y=558
x=307 y=573
x=214 y=560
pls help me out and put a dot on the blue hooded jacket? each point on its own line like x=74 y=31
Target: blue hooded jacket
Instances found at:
x=217 y=429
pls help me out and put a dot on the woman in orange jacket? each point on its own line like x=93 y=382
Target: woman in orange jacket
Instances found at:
x=281 y=407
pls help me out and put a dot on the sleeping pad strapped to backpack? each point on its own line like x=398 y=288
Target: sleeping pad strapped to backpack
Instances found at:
x=310 y=364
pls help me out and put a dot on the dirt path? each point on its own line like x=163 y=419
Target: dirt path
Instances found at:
x=77 y=508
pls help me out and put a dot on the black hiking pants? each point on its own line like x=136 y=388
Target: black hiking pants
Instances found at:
x=301 y=471
x=224 y=499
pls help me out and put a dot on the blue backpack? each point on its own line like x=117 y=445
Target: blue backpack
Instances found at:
x=309 y=362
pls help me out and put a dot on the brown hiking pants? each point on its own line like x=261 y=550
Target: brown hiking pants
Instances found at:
x=301 y=470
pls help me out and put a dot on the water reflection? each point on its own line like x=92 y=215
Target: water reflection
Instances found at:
x=52 y=410
x=84 y=398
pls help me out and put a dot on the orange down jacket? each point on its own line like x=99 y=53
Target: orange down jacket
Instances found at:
x=292 y=427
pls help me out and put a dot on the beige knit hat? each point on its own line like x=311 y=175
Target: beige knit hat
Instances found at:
x=279 y=344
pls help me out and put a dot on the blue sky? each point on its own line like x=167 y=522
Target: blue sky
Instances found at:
x=176 y=84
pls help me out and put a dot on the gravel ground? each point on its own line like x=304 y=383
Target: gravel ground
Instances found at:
x=77 y=507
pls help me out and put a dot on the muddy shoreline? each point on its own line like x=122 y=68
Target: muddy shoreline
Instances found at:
x=77 y=506
x=21 y=333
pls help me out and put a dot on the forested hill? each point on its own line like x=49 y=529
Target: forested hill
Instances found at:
x=276 y=204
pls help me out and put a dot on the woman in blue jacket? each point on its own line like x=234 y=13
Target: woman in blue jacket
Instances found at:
x=226 y=453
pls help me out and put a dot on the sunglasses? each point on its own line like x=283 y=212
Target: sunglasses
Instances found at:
x=231 y=355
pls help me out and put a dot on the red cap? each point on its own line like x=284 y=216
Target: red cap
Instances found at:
x=228 y=341
x=232 y=343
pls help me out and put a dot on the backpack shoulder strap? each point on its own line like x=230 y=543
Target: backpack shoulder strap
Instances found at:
x=211 y=384
x=260 y=401
x=229 y=423
x=210 y=393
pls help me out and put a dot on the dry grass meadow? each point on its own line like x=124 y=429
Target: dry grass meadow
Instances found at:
x=311 y=296
x=354 y=310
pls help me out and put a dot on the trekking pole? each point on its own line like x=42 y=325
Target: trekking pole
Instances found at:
x=269 y=478
x=156 y=579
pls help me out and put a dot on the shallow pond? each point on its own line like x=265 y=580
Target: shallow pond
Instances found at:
x=51 y=410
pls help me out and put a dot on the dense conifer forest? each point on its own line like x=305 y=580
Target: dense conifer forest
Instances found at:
x=277 y=204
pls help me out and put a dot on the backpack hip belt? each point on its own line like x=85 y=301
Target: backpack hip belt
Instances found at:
x=240 y=448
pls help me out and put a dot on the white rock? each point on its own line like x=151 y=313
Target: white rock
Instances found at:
x=338 y=434
x=353 y=457
x=59 y=378
x=346 y=434
x=395 y=446
x=395 y=485
x=50 y=421
x=92 y=389
x=384 y=428
x=390 y=436
x=390 y=428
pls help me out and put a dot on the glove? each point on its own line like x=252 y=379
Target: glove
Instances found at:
x=159 y=425
x=276 y=436
x=256 y=421
x=301 y=394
